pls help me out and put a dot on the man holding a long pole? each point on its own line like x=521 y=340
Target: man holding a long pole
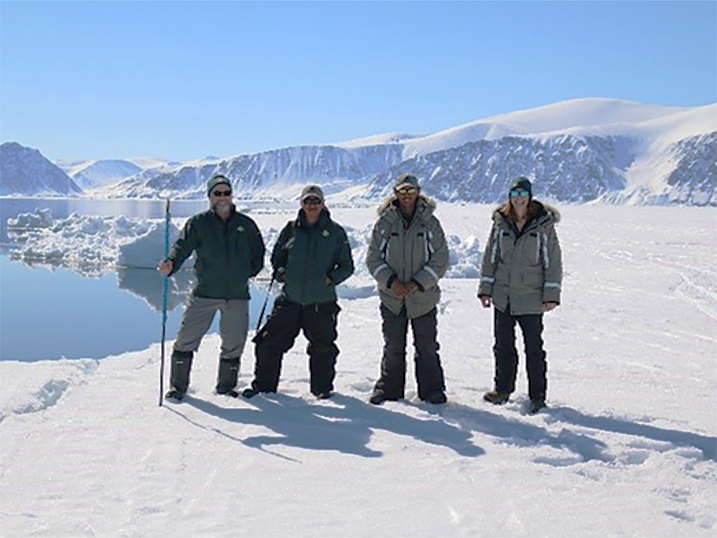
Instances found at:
x=229 y=250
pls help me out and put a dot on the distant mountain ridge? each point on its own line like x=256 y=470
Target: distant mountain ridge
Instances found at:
x=577 y=151
x=25 y=171
x=92 y=174
x=268 y=171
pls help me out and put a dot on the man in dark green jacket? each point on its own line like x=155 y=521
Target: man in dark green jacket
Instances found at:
x=311 y=257
x=229 y=250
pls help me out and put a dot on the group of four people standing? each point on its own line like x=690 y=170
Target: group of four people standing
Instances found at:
x=521 y=275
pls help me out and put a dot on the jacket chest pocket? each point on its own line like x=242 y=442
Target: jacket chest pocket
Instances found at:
x=394 y=242
x=421 y=246
x=530 y=249
x=240 y=241
x=506 y=246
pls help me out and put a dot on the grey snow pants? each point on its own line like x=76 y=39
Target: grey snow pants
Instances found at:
x=198 y=317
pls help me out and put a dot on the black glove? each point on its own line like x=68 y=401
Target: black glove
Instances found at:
x=279 y=274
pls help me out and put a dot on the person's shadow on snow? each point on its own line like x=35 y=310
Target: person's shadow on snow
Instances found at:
x=344 y=424
x=583 y=447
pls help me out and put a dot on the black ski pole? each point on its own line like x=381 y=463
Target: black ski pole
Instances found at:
x=263 y=308
x=164 y=305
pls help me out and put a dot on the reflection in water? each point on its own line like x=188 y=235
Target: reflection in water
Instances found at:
x=50 y=312
x=149 y=285
x=50 y=309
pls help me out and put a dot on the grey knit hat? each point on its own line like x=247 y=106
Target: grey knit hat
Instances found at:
x=217 y=180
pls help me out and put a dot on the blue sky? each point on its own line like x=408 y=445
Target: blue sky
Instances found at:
x=182 y=80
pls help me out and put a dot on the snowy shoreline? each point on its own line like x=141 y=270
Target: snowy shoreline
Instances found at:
x=628 y=446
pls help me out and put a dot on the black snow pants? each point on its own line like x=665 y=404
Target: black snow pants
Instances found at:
x=429 y=372
x=506 y=355
x=277 y=336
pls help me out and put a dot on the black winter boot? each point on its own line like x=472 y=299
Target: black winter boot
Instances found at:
x=378 y=396
x=227 y=379
x=181 y=366
x=496 y=397
x=536 y=405
x=438 y=397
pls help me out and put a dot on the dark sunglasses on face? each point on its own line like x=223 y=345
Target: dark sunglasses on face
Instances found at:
x=407 y=190
x=311 y=201
x=515 y=193
x=221 y=193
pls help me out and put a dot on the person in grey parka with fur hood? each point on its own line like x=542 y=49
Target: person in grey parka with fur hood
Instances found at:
x=407 y=256
x=521 y=276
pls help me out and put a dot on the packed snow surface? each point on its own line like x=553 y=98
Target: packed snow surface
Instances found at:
x=627 y=447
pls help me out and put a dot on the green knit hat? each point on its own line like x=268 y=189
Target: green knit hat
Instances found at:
x=217 y=180
x=522 y=183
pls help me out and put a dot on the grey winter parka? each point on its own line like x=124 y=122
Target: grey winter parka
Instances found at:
x=415 y=251
x=228 y=253
x=305 y=255
x=523 y=269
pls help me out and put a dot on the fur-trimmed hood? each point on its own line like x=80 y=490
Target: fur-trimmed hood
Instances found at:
x=543 y=214
x=425 y=206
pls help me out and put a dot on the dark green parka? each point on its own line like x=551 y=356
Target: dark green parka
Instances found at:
x=228 y=253
x=305 y=255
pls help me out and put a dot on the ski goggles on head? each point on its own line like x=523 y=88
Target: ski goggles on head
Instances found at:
x=519 y=193
x=311 y=200
x=221 y=193
x=407 y=190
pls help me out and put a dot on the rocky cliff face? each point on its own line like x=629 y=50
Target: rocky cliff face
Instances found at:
x=565 y=168
x=25 y=171
x=303 y=164
x=694 y=180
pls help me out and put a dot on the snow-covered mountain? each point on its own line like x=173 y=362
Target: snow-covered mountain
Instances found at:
x=25 y=171
x=575 y=151
x=581 y=150
x=270 y=173
x=567 y=168
x=92 y=174
x=145 y=162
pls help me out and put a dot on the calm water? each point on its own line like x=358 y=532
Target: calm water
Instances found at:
x=51 y=313
x=63 y=208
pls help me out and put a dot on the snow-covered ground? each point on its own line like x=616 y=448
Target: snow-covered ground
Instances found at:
x=628 y=446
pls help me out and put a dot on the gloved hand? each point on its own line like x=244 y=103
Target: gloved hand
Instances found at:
x=279 y=274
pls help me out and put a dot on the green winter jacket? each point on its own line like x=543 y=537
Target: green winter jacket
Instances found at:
x=523 y=269
x=228 y=253
x=305 y=255
x=415 y=251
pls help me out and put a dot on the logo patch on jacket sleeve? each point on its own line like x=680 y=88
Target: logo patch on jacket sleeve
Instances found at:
x=240 y=228
x=325 y=233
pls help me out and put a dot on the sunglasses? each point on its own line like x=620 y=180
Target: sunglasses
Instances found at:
x=311 y=200
x=407 y=190
x=515 y=193
x=221 y=193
